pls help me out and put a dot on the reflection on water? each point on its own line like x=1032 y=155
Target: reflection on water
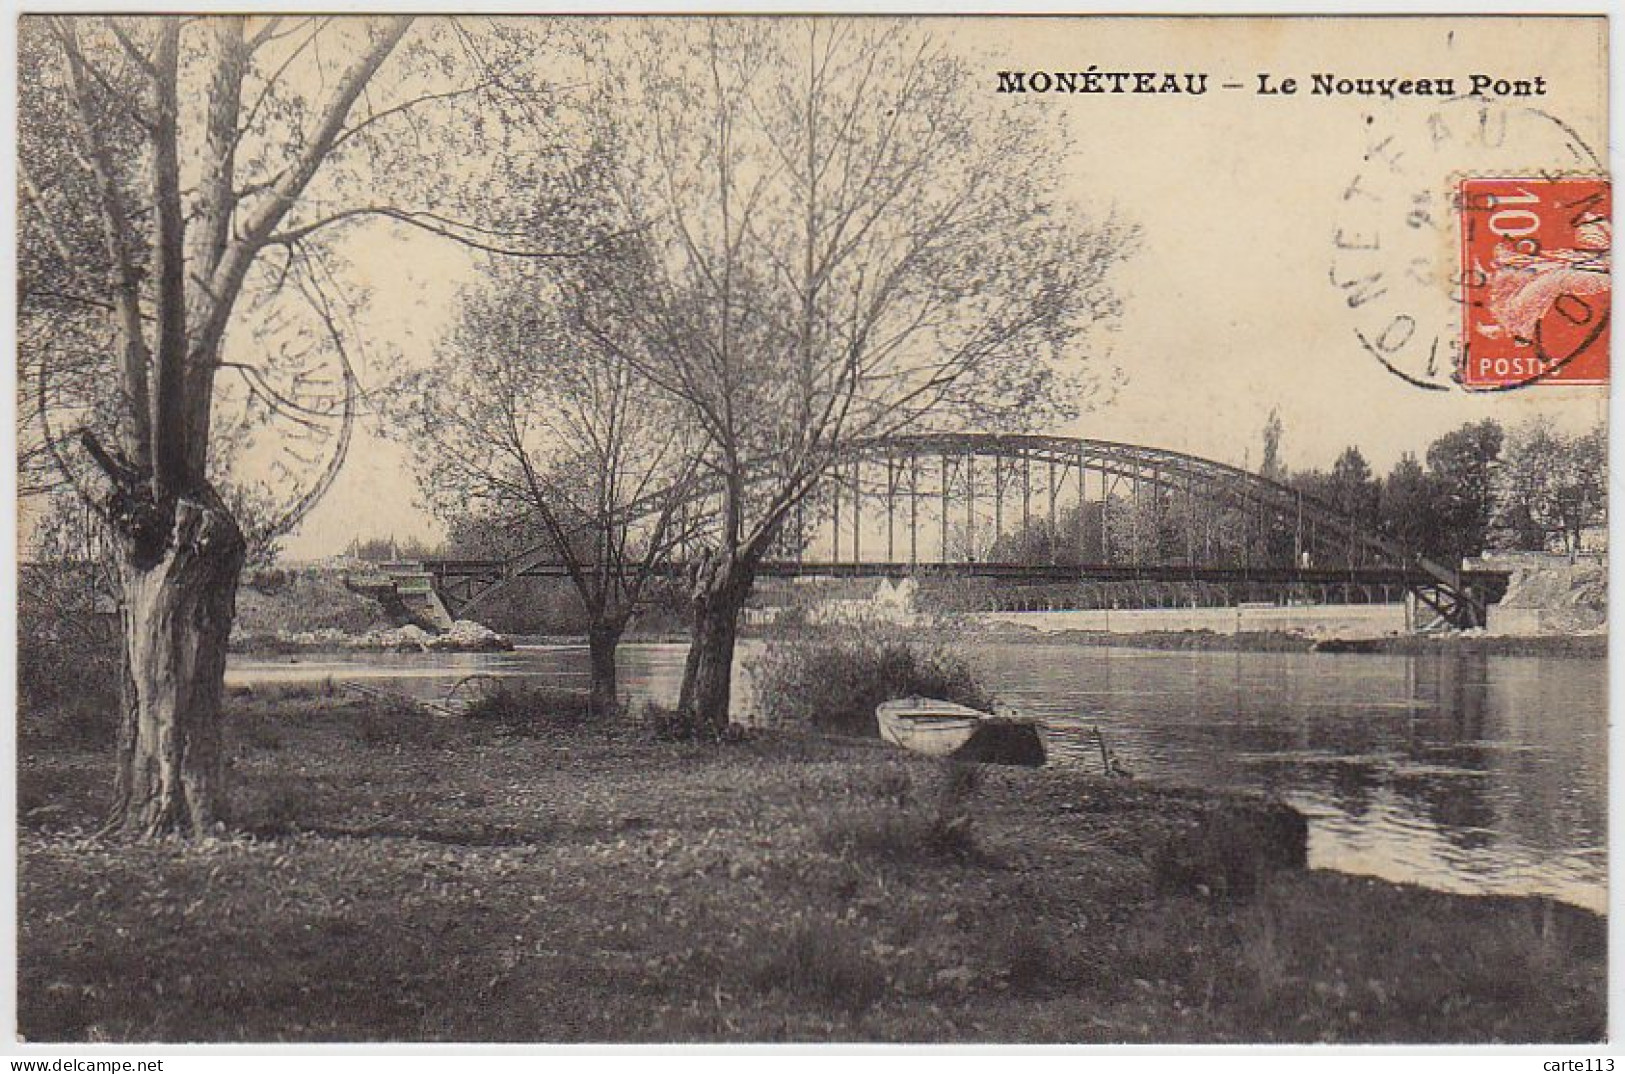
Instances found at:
x=1463 y=772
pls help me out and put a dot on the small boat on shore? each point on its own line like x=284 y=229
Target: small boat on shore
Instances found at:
x=944 y=729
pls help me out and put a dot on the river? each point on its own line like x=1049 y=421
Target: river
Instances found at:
x=1467 y=773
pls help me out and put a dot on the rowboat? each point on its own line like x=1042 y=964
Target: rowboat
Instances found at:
x=944 y=729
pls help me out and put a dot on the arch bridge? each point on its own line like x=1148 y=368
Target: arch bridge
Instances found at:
x=992 y=520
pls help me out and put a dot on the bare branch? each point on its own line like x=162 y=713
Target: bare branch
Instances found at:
x=227 y=280
x=408 y=105
x=131 y=49
x=458 y=231
x=114 y=219
x=293 y=184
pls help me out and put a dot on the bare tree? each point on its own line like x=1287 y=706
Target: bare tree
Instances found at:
x=532 y=423
x=199 y=169
x=839 y=237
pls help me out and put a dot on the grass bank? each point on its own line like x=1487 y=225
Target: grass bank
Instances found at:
x=412 y=878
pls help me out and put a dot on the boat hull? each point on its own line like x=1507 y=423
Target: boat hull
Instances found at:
x=943 y=729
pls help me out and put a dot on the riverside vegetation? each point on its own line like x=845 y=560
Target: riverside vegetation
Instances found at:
x=535 y=874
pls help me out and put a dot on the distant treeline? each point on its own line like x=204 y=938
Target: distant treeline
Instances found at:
x=1527 y=487
x=1477 y=488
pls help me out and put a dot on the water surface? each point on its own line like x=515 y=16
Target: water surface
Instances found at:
x=1469 y=773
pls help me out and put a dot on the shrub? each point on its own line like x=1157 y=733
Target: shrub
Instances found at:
x=270 y=580
x=257 y=732
x=378 y=726
x=1230 y=849
x=327 y=687
x=68 y=689
x=272 y=809
x=834 y=677
x=1026 y=951
x=522 y=709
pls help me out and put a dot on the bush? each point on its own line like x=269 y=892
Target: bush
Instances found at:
x=284 y=807
x=1028 y=954
x=257 y=732
x=1230 y=849
x=68 y=689
x=327 y=687
x=270 y=580
x=835 y=677
x=522 y=709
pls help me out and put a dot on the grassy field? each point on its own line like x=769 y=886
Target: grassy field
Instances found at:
x=405 y=877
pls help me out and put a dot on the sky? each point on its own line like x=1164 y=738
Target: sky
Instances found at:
x=1233 y=297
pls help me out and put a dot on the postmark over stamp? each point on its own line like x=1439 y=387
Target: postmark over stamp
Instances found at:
x=1413 y=221
x=1535 y=280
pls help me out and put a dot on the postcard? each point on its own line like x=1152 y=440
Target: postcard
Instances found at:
x=832 y=529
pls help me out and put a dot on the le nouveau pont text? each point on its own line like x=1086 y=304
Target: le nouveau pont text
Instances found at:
x=1268 y=84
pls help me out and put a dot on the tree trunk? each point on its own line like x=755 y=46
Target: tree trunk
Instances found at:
x=602 y=640
x=179 y=600
x=720 y=587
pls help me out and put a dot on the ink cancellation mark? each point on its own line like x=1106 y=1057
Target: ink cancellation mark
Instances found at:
x=1399 y=262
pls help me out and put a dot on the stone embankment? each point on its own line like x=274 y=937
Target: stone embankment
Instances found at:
x=311 y=609
x=465 y=636
x=1549 y=596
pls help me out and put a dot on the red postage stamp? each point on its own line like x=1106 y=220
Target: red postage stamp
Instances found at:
x=1535 y=281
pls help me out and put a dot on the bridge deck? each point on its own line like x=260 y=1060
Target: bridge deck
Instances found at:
x=1145 y=514
x=1012 y=572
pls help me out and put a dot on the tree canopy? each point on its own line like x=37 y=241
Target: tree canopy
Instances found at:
x=833 y=235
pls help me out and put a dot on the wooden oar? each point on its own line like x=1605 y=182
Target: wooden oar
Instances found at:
x=1109 y=764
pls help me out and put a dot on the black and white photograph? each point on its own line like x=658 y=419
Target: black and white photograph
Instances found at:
x=810 y=529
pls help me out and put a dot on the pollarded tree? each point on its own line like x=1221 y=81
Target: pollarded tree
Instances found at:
x=839 y=236
x=185 y=178
x=532 y=423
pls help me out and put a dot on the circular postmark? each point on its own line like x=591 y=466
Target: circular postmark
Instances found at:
x=1424 y=273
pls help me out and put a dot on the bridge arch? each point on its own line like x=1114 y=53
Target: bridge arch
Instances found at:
x=1051 y=511
x=1129 y=475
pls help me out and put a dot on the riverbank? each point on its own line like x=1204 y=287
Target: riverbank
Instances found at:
x=590 y=883
x=1593 y=646
x=1590 y=646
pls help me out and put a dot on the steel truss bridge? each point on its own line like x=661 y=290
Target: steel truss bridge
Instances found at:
x=1023 y=521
